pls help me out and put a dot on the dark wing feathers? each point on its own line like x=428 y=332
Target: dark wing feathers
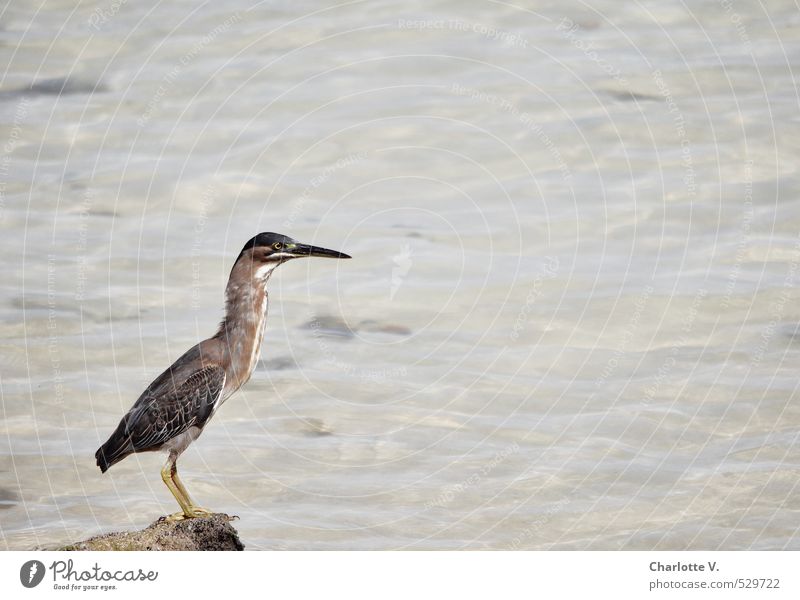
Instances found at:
x=166 y=409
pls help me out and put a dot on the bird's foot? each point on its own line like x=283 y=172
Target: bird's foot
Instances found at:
x=198 y=511
x=175 y=517
x=195 y=512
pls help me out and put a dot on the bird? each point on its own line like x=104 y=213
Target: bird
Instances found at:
x=176 y=407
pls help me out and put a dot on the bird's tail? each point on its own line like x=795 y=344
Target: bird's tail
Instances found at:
x=117 y=447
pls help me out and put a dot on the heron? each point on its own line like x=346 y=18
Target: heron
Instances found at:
x=176 y=407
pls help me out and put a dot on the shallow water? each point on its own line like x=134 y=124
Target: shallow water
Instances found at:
x=571 y=320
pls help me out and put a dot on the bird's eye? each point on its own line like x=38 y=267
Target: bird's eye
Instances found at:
x=277 y=245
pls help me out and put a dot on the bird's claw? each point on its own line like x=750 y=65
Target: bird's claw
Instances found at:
x=194 y=513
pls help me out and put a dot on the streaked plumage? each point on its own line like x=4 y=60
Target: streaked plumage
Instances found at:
x=173 y=410
x=176 y=401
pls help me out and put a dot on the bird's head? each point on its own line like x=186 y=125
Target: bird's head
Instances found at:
x=267 y=250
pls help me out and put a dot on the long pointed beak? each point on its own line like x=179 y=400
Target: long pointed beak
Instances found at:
x=306 y=250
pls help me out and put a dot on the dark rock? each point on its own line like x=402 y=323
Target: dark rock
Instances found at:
x=208 y=533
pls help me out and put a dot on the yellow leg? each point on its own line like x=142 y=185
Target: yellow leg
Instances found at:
x=166 y=477
x=169 y=474
x=197 y=511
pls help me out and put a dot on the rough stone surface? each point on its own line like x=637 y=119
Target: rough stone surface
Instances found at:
x=208 y=533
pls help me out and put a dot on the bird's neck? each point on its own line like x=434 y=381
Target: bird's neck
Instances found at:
x=242 y=329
